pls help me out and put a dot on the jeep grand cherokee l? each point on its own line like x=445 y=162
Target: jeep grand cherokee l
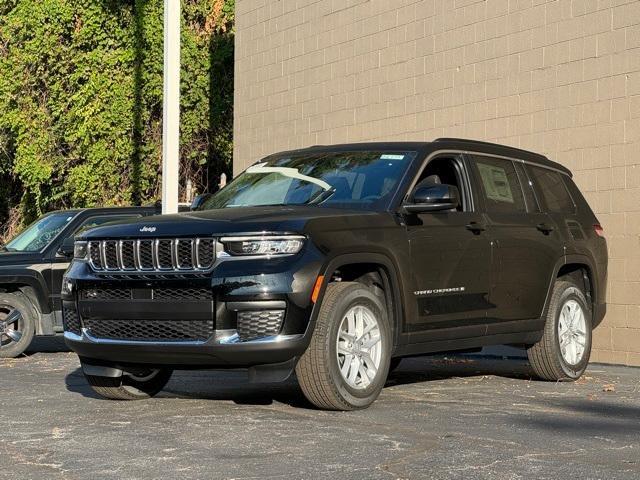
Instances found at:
x=337 y=261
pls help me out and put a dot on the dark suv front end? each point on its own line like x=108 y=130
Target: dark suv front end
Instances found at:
x=193 y=300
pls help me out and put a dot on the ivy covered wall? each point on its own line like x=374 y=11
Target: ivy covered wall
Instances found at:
x=81 y=102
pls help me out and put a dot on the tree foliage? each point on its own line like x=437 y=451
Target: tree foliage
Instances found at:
x=81 y=101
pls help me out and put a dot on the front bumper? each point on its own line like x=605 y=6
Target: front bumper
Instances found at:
x=235 y=287
x=219 y=351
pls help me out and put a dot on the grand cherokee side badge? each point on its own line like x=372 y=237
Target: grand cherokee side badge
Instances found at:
x=437 y=291
x=148 y=229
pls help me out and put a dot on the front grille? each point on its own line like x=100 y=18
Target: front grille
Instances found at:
x=259 y=323
x=152 y=255
x=151 y=330
x=71 y=321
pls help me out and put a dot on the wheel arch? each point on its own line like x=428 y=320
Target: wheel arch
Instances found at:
x=373 y=269
x=31 y=287
x=581 y=269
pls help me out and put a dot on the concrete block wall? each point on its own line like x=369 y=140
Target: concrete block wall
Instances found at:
x=561 y=77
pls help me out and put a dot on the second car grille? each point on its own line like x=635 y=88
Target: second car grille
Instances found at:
x=151 y=330
x=152 y=255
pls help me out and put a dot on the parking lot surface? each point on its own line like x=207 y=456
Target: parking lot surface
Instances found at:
x=438 y=417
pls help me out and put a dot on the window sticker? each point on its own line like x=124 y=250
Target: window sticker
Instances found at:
x=389 y=156
x=496 y=183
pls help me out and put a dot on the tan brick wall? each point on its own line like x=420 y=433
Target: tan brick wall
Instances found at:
x=559 y=77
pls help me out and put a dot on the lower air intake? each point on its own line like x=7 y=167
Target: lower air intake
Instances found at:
x=151 y=330
x=259 y=323
x=71 y=321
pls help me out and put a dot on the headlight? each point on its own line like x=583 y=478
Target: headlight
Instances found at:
x=67 y=286
x=267 y=245
x=80 y=250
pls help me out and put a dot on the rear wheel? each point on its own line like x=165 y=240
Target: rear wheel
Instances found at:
x=563 y=351
x=17 y=324
x=140 y=384
x=346 y=364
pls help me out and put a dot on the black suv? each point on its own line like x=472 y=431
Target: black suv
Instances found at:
x=31 y=270
x=335 y=262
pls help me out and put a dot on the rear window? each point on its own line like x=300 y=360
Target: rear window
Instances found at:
x=500 y=185
x=551 y=187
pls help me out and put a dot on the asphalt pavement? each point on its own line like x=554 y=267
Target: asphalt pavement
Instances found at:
x=438 y=417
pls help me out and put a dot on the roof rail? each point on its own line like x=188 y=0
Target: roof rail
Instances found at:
x=491 y=144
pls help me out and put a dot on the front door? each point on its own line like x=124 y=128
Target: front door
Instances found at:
x=451 y=262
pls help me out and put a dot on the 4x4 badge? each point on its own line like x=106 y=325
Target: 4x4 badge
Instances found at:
x=148 y=229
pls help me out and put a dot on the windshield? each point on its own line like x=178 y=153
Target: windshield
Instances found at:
x=338 y=179
x=40 y=233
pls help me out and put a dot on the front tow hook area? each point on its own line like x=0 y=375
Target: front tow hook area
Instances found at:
x=272 y=372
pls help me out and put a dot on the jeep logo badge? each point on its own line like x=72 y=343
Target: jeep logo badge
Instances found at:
x=148 y=229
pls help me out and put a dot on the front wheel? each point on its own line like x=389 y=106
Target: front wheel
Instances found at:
x=140 y=384
x=346 y=364
x=563 y=351
x=17 y=324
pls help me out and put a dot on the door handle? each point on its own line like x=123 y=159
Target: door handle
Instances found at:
x=544 y=228
x=475 y=227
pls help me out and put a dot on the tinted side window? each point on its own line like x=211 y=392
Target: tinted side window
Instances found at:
x=552 y=189
x=500 y=185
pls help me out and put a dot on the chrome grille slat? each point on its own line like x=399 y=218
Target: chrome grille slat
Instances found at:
x=157 y=255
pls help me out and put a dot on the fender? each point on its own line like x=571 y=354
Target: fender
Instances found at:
x=30 y=277
x=566 y=260
x=393 y=281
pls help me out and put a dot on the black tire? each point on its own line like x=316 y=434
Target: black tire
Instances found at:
x=129 y=387
x=395 y=363
x=546 y=357
x=25 y=325
x=318 y=369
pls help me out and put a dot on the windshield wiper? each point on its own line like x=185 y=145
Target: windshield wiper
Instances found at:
x=320 y=196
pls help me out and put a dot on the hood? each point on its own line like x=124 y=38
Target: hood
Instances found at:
x=19 y=258
x=245 y=220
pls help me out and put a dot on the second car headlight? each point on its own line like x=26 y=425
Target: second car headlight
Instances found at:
x=264 y=245
x=80 y=250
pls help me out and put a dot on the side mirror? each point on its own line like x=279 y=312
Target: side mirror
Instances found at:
x=433 y=198
x=199 y=200
x=66 y=247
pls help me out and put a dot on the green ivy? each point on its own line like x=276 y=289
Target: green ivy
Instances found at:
x=81 y=101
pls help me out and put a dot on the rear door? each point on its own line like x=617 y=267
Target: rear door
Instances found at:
x=525 y=245
x=450 y=262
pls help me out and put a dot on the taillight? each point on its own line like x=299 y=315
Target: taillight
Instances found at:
x=599 y=230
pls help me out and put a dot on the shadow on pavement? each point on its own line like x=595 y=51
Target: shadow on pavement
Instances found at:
x=585 y=417
x=233 y=385
x=432 y=368
x=53 y=344
x=230 y=385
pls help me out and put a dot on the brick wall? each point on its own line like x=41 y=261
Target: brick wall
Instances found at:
x=557 y=77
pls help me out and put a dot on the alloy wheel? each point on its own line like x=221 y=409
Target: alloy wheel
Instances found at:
x=359 y=347
x=572 y=332
x=10 y=325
